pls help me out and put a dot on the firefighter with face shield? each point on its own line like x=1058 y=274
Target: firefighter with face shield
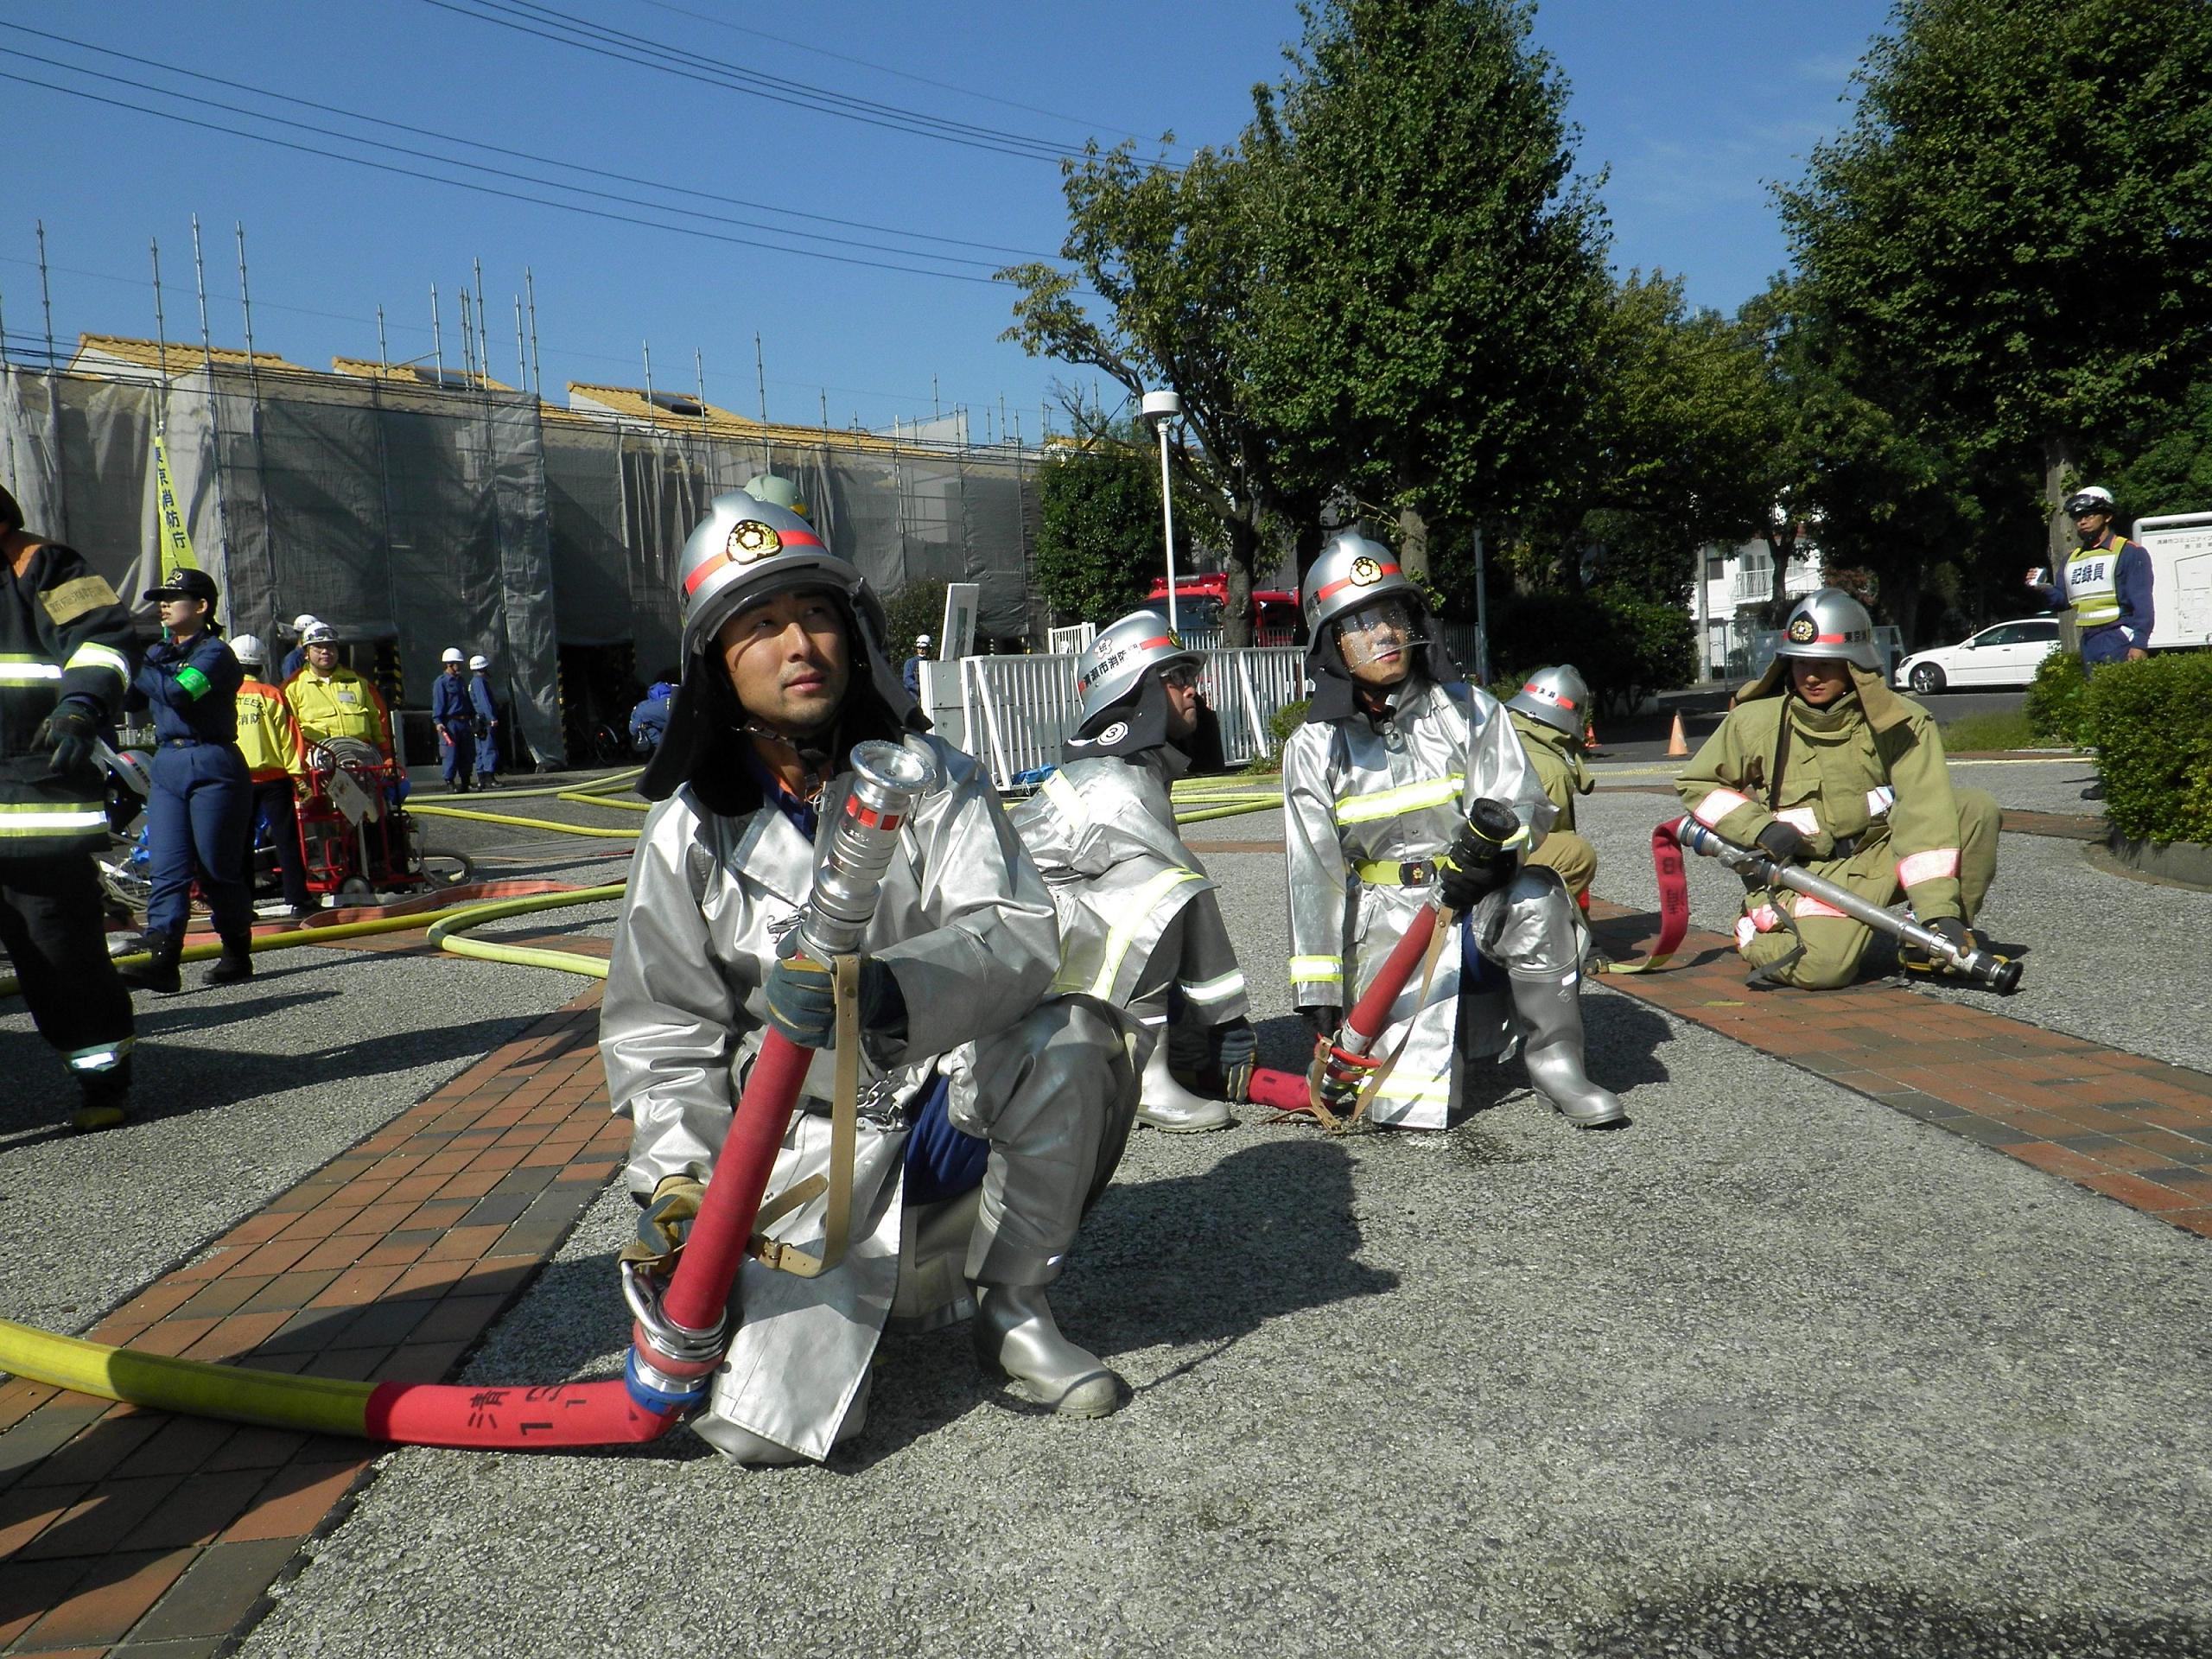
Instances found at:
x=1822 y=764
x=995 y=1115
x=1378 y=784
x=1140 y=927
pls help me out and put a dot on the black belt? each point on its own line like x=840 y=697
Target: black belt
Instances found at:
x=182 y=742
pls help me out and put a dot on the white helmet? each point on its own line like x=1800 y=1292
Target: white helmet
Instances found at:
x=776 y=491
x=1353 y=571
x=921 y=642
x=478 y=661
x=452 y=654
x=248 y=648
x=1828 y=625
x=304 y=621
x=1115 y=662
x=1558 y=696
x=318 y=633
x=2094 y=498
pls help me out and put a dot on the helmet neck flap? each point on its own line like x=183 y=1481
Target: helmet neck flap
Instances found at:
x=1130 y=727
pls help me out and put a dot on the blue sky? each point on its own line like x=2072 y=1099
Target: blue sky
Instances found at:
x=1695 y=108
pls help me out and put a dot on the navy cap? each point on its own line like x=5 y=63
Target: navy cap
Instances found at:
x=182 y=583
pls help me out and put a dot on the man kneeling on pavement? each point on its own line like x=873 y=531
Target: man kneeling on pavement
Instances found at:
x=1820 y=763
x=1139 y=925
x=989 y=1114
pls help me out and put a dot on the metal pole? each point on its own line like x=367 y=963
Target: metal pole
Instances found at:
x=260 y=452
x=936 y=412
x=245 y=300
x=652 y=409
x=437 y=336
x=1167 y=518
x=384 y=351
x=161 y=342
x=53 y=395
x=522 y=363
x=214 y=409
x=760 y=374
x=483 y=335
x=529 y=294
x=825 y=409
x=699 y=378
x=468 y=347
x=1482 y=613
x=3 y=338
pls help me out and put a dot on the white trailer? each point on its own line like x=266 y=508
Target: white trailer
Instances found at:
x=2180 y=546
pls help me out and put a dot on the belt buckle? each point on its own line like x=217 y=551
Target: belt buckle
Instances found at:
x=1417 y=872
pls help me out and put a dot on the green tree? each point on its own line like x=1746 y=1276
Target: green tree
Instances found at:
x=1098 y=528
x=1431 y=266
x=1173 y=259
x=2015 y=236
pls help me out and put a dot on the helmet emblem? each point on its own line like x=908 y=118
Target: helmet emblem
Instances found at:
x=753 y=540
x=1802 y=629
x=1113 y=733
x=1366 y=572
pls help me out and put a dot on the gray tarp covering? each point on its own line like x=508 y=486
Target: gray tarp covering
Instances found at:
x=460 y=516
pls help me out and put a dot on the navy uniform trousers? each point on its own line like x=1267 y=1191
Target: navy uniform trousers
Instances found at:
x=196 y=818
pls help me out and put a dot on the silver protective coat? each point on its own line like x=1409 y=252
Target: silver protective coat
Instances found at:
x=967 y=927
x=1362 y=790
x=1137 y=912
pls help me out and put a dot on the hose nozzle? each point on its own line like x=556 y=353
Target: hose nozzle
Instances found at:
x=888 y=778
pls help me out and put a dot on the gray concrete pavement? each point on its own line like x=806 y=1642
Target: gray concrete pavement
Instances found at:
x=1776 y=1371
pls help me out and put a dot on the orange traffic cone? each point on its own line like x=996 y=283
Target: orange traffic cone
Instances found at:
x=1677 y=743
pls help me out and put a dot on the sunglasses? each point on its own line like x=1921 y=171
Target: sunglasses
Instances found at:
x=1181 y=678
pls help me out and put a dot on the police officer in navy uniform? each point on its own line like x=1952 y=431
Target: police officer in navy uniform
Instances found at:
x=196 y=814
x=2107 y=583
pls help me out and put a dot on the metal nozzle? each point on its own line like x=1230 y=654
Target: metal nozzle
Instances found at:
x=888 y=778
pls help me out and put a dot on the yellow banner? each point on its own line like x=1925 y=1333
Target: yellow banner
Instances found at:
x=176 y=539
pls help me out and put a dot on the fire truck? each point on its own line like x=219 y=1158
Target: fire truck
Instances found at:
x=1200 y=599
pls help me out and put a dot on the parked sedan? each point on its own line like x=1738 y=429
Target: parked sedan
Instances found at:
x=2008 y=654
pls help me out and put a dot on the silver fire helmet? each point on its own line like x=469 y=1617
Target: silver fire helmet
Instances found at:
x=1353 y=571
x=1558 y=696
x=1830 y=624
x=1115 y=662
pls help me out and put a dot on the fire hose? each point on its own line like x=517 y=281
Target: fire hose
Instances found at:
x=1346 y=1067
x=1976 y=963
x=680 y=1330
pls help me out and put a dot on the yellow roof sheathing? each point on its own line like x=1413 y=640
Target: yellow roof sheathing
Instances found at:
x=412 y=374
x=148 y=353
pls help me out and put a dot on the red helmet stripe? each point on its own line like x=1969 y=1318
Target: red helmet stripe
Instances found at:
x=708 y=567
x=1346 y=582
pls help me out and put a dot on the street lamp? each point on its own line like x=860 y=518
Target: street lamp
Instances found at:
x=1163 y=410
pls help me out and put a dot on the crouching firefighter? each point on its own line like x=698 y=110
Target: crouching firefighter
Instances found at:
x=1821 y=764
x=1140 y=927
x=1550 y=713
x=1378 y=786
x=983 y=1119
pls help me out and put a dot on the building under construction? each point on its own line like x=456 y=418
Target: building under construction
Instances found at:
x=415 y=508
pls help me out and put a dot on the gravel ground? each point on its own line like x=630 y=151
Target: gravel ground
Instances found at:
x=1775 y=1371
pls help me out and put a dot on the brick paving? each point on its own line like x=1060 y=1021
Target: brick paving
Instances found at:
x=137 y=1533
x=2130 y=1127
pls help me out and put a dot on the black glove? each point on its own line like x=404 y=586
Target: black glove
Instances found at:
x=802 y=1003
x=1323 y=1019
x=1784 y=842
x=72 y=728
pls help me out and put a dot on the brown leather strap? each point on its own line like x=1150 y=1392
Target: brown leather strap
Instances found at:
x=844 y=1146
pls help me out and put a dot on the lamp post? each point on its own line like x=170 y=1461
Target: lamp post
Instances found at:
x=1163 y=410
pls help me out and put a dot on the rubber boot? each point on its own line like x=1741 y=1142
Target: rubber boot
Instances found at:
x=1017 y=1336
x=106 y=1102
x=1550 y=1012
x=1166 y=1104
x=158 y=972
x=237 y=961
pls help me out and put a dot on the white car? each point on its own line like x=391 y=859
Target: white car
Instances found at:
x=2008 y=654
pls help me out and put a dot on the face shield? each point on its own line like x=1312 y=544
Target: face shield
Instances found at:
x=1374 y=632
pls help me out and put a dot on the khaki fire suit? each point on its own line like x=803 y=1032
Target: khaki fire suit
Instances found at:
x=967 y=928
x=1369 y=806
x=1138 y=918
x=1864 y=781
x=1557 y=759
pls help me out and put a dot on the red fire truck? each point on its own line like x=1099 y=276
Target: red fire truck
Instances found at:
x=1200 y=599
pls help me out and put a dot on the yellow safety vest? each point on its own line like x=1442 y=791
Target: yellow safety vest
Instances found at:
x=2093 y=584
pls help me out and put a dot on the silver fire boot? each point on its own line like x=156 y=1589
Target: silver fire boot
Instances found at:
x=1166 y=1104
x=1016 y=1334
x=1550 y=1011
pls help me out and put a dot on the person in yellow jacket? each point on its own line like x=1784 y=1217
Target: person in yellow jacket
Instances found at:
x=1549 y=713
x=277 y=761
x=1818 y=762
x=328 y=700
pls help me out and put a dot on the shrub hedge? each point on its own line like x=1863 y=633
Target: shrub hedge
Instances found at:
x=2058 y=701
x=2153 y=725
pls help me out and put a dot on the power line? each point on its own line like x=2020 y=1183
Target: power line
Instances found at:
x=503 y=172
x=692 y=231
x=499 y=150
x=886 y=69
x=526 y=18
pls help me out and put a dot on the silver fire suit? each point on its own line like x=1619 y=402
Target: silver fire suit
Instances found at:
x=1138 y=914
x=966 y=927
x=1368 y=805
